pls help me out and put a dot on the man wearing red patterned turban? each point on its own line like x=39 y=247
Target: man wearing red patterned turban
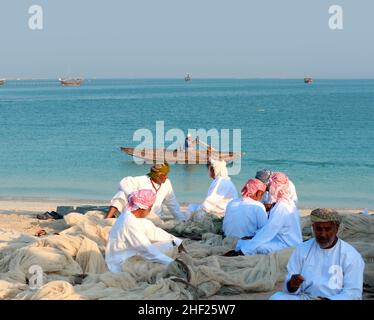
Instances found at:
x=244 y=216
x=132 y=235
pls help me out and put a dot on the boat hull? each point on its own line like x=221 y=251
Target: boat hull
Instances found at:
x=179 y=156
x=74 y=83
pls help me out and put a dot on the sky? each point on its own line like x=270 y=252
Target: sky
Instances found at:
x=168 y=38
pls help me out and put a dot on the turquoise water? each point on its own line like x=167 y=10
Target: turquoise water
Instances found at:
x=63 y=142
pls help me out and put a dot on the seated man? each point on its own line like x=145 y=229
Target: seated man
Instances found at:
x=220 y=192
x=243 y=217
x=324 y=267
x=133 y=235
x=283 y=227
x=157 y=180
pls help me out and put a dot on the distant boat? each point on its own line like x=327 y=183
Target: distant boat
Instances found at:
x=181 y=157
x=2 y=81
x=70 y=81
x=308 y=80
x=187 y=77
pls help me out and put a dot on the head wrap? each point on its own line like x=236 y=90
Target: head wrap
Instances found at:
x=264 y=176
x=325 y=215
x=157 y=169
x=251 y=187
x=219 y=167
x=279 y=187
x=141 y=199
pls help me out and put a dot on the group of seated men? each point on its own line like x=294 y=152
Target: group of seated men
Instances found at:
x=265 y=219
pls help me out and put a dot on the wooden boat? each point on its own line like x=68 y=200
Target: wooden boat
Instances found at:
x=71 y=82
x=180 y=156
x=2 y=82
x=308 y=80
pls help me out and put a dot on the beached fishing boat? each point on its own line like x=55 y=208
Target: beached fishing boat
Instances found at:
x=70 y=81
x=187 y=77
x=308 y=80
x=180 y=156
x=2 y=82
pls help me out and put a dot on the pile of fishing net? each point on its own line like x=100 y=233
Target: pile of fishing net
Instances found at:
x=73 y=266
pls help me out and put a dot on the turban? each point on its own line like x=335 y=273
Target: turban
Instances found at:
x=279 y=187
x=219 y=167
x=251 y=187
x=264 y=176
x=157 y=169
x=141 y=199
x=325 y=215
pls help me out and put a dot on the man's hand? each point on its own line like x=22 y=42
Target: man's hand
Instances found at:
x=110 y=214
x=295 y=282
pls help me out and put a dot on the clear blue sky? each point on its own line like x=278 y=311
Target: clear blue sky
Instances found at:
x=207 y=38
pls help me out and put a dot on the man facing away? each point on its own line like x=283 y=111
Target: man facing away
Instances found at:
x=243 y=217
x=156 y=180
x=324 y=267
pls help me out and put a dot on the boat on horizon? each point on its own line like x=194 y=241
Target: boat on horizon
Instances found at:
x=180 y=156
x=187 y=77
x=308 y=80
x=71 y=81
x=2 y=82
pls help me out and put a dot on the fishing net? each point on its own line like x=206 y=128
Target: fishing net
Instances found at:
x=74 y=268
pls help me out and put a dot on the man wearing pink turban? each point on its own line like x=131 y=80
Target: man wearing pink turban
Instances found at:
x=283 y=227
x=132 y=235
x=243 y=217
x=157 y=180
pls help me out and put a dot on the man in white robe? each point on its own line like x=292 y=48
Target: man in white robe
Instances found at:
x=133 y=235
x=324 y=267
x=283 y=228
x=244 y=217
x=220 y=193
x=157 y=180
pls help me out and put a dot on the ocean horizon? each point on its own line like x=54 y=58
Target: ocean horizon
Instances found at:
x=64 y=142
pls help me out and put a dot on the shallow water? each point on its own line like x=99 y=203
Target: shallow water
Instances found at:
x=63 y=142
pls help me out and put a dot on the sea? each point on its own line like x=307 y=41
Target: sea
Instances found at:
x=64 y=142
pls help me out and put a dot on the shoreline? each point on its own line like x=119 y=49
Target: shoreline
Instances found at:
x=28 y=205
